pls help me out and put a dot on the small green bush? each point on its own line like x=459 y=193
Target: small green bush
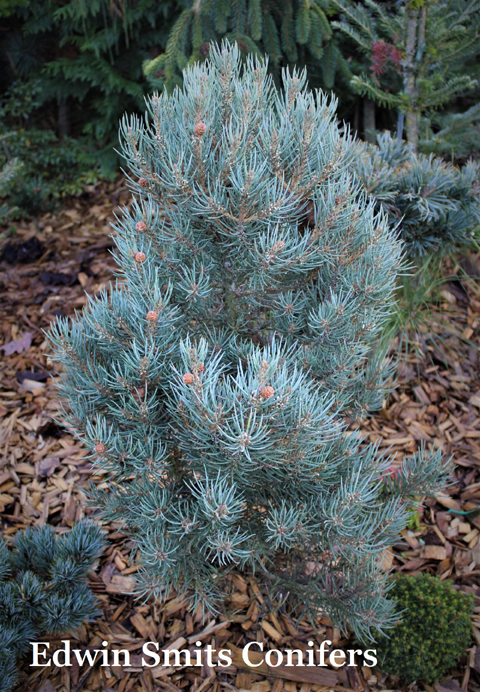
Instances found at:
x=43 y=589
x=46 y=168
x=434 y=632
x=8 y=172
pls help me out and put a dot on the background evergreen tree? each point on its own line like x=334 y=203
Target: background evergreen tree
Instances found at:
x=434 y=207
x=417 y=54
x=454 y=133
x=212 y=381
x=43 y=589
x=48 y=167
x=294 y=31
x=9 y=172
x=87 y=57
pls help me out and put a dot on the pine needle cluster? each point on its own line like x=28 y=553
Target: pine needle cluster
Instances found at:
x=212 y=381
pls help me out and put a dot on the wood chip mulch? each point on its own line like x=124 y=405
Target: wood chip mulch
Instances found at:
x=43 y=473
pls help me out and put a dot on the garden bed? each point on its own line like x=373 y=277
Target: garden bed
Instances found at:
x=44 y=472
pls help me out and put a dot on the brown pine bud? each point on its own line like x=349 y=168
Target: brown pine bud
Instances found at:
x=100 y=448
x=140 y=257
x=143 y=182
x=201 y=367
x=141 y=226
x=280 y=244
x=188 y=378
x=200 y=129
x=152 y=315
x=267 y=392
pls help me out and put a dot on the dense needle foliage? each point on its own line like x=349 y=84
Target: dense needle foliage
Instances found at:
x=212 y=380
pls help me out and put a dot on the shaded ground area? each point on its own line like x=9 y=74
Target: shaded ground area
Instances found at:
x=43 y=473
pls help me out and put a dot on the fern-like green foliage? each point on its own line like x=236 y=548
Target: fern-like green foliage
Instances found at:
x=213 y=380
x=87 y=54
x=287 y=30
x=433 y=205
x=434 y=632
x=452 y=134
x=9 y=173
x=43 y=589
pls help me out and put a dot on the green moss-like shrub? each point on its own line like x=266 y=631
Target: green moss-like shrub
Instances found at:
x=434 y=632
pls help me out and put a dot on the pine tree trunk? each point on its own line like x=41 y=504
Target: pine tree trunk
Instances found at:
x=356 y=118
x=369 y=120
x=412 y=129
x=409 y=78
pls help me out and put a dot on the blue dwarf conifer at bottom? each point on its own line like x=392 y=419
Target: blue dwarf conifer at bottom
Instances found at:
x=43 y=589
x=212 y=380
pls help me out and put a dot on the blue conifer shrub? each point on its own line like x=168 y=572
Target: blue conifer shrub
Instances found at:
x=43 y=589
x=433 y=205
x=212 y=380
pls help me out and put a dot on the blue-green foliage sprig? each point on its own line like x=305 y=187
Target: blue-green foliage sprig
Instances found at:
x=212 y=383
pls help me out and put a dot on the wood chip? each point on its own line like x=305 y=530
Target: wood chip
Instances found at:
x=121 y=585
x=140 y=624
x=271 y=631
x=433 y=552
x=317 y=675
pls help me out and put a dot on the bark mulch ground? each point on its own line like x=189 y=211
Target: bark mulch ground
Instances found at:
x=43 y=473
